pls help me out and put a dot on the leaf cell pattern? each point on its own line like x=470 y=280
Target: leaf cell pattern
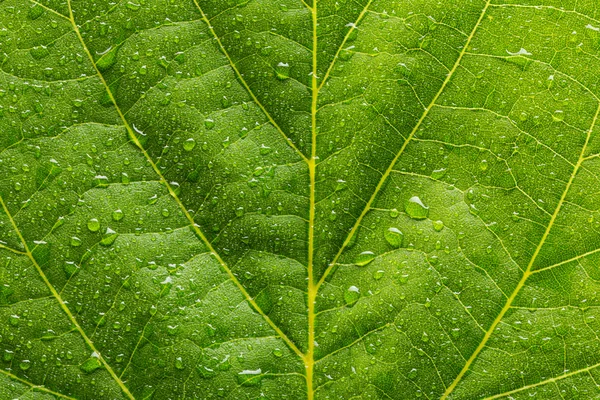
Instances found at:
x=299 y=199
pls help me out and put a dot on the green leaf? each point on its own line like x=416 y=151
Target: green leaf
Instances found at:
x=291 y=199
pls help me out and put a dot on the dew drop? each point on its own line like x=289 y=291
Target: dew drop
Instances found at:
x=189 y=144
x=364 y=258
x=109 y=237
x=282 y=70
x=438 y=225
x=117 y=215
x=93 y=225
x=277 y=352
x=415 y=208
x=377 y=275
x=394 y=237
x=438 y=173
x=412 y=374
x=209 y=123
x=352 y=295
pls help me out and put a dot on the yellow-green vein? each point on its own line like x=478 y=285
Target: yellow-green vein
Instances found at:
x=62 y=303
x=195 y=227
x=404 y=145
x=528 y=270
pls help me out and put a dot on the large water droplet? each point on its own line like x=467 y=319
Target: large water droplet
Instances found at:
x=117 y=215
x=415 y=208
x=394 y=237
x=93 y=225
x=364 y=258
x=352 y=295
x=282 y=70
x=189 y=144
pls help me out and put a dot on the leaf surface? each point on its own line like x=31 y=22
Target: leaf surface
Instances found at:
x=293 y=199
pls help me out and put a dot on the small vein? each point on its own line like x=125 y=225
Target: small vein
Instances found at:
x=49 y=9
x=589 y=253
x=13 y=250
x=34 y=387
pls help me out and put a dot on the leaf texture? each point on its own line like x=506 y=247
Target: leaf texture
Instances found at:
x=299 y=199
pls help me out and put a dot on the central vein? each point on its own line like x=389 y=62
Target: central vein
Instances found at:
x=309 y=360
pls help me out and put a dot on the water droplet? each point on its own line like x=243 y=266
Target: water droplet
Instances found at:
x=438 y=225
x=438 y=173
x=250 y=377
x=109 y=237
x=117 y=215
x=483 y=165
x=415 y=208
x=364 y=258
x=394 y=213
x=341 y=185
x=90 y=365
x=352 y=295
x=394 y=237
x=108 y=59
x=93 y=225
x=179 y=363
x=277 y=352
x=39 y=52
x=25 y=365
x=558 y=116
x=282 y=70
x=189 y=144
x=75 y=241
x=209 y=123
x=377 y=275
x=133 y=6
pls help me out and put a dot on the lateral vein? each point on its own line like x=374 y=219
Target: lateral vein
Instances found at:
x=246 y=86
x=528 y=271
x=194 y=226
x=62 y=304
x=404 y=145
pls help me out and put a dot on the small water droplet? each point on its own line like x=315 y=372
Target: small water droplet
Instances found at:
x=282 y=70
x=189 y=144
x=394 y=237
x=558 y=116
x=438 y=225
x=364 y=258
x=415 y=208
x=351 y=295
x=117 y=215
x=109 y=237
x=438 y=173
x=377 y=275
x=277 y=352
x=93 y=225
